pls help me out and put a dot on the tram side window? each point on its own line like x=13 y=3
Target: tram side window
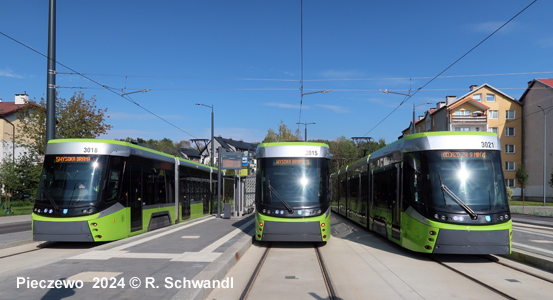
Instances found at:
x=413 y=179
x=115 y=178
x=353 y=195
x=385 y=186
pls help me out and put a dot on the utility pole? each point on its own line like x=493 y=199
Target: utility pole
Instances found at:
x=311 y=123
x=51 y=75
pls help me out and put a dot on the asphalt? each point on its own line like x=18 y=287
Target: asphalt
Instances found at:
x=200 y=250
x=235 y=247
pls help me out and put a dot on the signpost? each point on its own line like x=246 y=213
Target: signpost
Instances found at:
x=227 y=161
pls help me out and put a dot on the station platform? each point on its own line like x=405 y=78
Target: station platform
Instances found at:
x=200 y=250
x=195 y=252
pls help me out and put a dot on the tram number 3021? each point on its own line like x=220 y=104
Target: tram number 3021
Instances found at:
x=487 y=144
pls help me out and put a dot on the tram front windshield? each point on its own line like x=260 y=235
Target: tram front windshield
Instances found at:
x=71 y=180
x=473 y=177
x=300 y=182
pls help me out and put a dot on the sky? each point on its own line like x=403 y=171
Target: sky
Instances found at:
x=245 y=59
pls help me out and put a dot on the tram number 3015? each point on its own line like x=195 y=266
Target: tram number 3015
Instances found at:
x=487 y=144
x=311 y=153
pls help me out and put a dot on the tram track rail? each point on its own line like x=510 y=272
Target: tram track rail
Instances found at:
x=477 y=281
x=495 y=260
x=325 y=274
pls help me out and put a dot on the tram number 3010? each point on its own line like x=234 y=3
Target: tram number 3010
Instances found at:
x=487 y=144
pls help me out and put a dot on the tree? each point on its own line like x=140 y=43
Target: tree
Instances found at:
x=522 y=178
x=75 y=118
x=284 y=134
x=20 y=176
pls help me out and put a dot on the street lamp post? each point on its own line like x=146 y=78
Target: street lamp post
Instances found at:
x=212 y=150
x=415 y=105
x=544 y=147
x=305 y=127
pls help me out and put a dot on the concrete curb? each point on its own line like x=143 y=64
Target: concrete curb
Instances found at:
x=533 y=259
x=217 y=269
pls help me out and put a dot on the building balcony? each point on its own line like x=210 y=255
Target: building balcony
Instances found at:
x=469 y=120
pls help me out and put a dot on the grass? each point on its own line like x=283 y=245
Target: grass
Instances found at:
x=17 y=210
x=532 y=208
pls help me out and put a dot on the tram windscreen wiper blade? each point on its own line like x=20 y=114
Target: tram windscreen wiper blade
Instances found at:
x=43 y=189
x=451 y=194
x=288 y=207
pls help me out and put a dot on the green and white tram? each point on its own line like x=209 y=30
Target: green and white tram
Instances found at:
x=104 y=190
x=292 y=192
x=435 y=192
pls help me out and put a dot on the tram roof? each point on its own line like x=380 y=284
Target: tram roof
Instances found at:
x=437 y=140
x=293 y=149
x=442 y=140
x=111 y=147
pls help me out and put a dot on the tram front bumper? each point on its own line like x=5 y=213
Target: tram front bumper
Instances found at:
x=473 y=242
x=291 y=232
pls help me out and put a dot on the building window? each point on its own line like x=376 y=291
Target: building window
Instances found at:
x=493 y=114
x=490 y=98
x=510 y=131
x=462 y=112
x=494 y=130
x=509 y=148
x=477 y=97
x=509 y=166
x=510 y=114
x=510 y=183
x=462 y=129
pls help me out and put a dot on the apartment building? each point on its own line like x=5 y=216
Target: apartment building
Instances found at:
x=483 y=108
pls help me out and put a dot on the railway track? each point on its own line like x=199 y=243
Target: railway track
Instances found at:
x=505 y=273
x=312 y=277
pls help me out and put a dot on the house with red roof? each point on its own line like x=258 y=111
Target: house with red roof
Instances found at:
x=9 y=136
x=537 y=141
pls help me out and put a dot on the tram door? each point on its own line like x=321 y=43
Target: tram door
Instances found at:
x=396 y=209
x=185 y=186
x=136 y=198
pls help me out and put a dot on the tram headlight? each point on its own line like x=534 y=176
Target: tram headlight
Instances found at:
x=506 y=217
x=304 y=182
x=436 y=216
x=443 y=217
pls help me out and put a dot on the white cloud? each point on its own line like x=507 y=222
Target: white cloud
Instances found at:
x=341 y=74
x=546 y=42
x=9 y=73
x=285 y=105
x=335 y=108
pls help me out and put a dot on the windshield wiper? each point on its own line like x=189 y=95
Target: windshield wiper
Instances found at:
x=43 y=189
x=288 y=207
x=451 y=194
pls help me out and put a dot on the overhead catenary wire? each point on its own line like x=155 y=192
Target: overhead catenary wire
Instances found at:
x=448 y=67
x=126 y=97
x=304 y=80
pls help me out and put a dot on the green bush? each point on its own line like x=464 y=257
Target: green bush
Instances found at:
x=509 y=193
